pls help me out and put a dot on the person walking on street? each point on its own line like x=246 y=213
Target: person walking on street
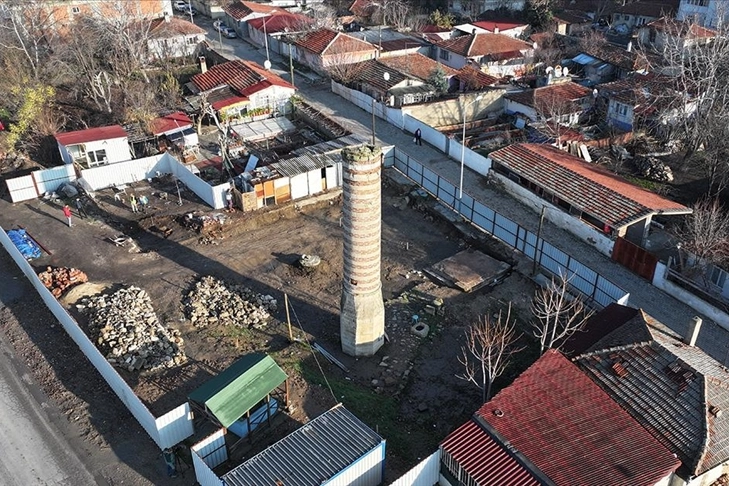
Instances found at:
x=133 y=203
x=67 y=214
x=418 y=137
x=80 y=209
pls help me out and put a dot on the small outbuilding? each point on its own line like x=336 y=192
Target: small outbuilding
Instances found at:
x=334 y=449
x=94 y=146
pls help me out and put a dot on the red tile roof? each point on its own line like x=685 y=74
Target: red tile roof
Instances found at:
x=415 y=65
x=475 y=79
x=572 y=430
x=240 y=10
x=168 y=123
x=91 y=135
x=161 y=29
x=502 y=24
x=327 y=41
x=363 y=8
x=682 y=28
x=484 y=459
x=496 y=45
x=281 y=22
x=553 y=95
x=597 y=192
x=245 y=77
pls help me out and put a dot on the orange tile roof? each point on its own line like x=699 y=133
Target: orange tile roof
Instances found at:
x=240 y=10
x=281 y=22
x=245 y=77
x=485 y=45
x=161 y=29
x=550 y=95
x=682 y=28
x=475 y=79
x=596 y=191
x=415 y=65
x=326 y=41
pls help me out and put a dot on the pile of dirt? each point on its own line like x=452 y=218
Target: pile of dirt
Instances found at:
x=127 y=330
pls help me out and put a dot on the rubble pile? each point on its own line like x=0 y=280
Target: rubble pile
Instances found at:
x=128 y=332
x=60 y=278
x=212 y=301
x=653 y=169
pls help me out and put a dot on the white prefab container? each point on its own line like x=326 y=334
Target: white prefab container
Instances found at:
x=95 y=146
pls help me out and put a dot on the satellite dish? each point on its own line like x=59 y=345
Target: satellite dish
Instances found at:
x=594 y=93
x=565 y=71
x=549 y=69
x=267 y=64
x=386 y=76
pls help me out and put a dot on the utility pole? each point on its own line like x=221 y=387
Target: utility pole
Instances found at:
x=373 y=121
x=536 y=245
x=291 y=64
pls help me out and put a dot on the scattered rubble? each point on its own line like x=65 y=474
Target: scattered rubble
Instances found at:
x=128 y=332
x=60 y=278
x=212 y=301
x=653 y=169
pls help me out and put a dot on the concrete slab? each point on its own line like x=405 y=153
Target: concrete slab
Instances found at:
x=469 y=270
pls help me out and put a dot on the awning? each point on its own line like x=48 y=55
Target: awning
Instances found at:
x=238 y=388
x=583 y=59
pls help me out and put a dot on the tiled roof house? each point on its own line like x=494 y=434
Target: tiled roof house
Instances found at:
x=500 y=54
x=635 y=14
x=565 y=102
x=173 y=37
x=237 y=14
x=237 y=85
x=323 y=48
x=554 y=426
x=672 y=388
x=544 y=175
x=671 y=33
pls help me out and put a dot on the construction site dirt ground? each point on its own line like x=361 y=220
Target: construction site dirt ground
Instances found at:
x=409 y=391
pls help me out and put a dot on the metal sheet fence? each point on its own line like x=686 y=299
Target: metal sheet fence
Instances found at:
x=593 y=285
x=426 y=473
x=207 y=454
x=39 y=182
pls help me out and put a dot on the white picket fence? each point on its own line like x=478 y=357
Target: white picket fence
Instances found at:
x=165 y=431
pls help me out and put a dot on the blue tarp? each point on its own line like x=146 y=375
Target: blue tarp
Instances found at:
x=25 y=244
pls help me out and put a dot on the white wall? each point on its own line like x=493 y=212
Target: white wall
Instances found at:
x=512 y=107
x=175 y=426
x=117 y=150
x=426 y=473
x=207 y=454
x=126 y=172
x=174 y=47
x=660 y=280
x=39 y=182
x=471 y=159
x=271 y=97
x=557 y=216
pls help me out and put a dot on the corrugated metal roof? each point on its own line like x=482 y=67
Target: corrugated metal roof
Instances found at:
x=311 y=455
x=668 y=387
x=331 y=146
x=238 y=388
x=304 y=163
x=573 y=431
x=597 y=192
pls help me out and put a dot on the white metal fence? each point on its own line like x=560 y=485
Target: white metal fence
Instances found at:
x=589 y=282
x=207 y=454
x=426 y=473
x=39 y=182
x=166 y=431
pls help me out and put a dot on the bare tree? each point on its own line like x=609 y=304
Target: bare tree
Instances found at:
x=705 y=233
x=343 y=63
x=559 y=314
x=29 y=27
x=489 y=347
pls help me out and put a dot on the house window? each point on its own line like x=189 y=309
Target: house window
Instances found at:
x=75 y=10
x=718 y=277
x=444 y=54
x=192 y=40
x=96 y=157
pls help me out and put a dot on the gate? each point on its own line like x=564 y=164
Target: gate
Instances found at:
x=637 y=259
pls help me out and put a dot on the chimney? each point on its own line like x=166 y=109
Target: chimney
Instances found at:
x=473 y=31
x=203 y=65
x=167 y=17
x=693 y=331
x=362 y=318
x=496 y=30
x=630 y=46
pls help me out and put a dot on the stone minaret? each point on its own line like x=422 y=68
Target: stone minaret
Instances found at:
x=362 y=320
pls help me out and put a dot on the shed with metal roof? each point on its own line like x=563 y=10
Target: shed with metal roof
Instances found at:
x=344 y=449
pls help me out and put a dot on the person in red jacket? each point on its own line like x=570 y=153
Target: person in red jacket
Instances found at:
x=67 y=214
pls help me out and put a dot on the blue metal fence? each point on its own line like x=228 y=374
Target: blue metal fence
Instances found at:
x=593 y=285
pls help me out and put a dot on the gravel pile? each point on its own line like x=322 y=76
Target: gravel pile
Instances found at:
x=128 y=332
x=214 y=302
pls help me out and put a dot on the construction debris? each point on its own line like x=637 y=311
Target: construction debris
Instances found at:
x=58 y=279
x=126 y=329
x=653 y=169
x=213 y=301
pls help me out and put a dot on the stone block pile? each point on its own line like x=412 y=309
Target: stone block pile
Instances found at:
x=58 y=279
x=653 y=169
x=127 y=331
x=215 y=302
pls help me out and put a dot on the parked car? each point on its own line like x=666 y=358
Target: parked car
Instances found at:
x=180 y=5
x=229 y=33
x=189 y=10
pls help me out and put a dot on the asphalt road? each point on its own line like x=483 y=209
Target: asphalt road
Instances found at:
x=33 y=449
